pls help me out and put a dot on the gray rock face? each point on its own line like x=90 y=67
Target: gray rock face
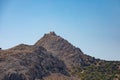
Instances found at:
x=14 y=76
x=29 y=63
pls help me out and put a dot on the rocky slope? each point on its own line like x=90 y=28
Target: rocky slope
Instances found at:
x=54 y=58
x=25 y=62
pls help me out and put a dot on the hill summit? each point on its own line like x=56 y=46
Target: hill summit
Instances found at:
x=64 y=50
x=54 y=58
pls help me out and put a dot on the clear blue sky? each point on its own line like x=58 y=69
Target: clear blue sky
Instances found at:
x=91 y=25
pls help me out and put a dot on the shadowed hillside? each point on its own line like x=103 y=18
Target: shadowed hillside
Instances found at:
x=25 y=62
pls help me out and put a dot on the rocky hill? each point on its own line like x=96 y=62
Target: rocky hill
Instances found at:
x=64 y=50
x=54 y=58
